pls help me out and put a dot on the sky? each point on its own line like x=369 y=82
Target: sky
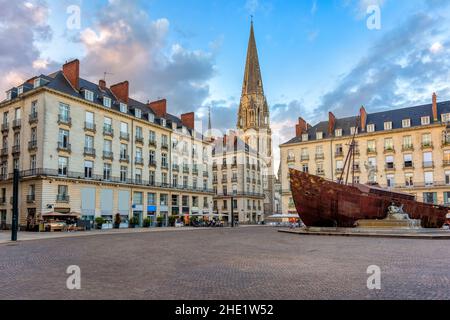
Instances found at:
x=316 y=56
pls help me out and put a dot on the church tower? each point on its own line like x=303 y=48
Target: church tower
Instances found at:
x=254 y=119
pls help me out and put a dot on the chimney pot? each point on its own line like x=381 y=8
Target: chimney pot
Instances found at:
x=71 y=71
x=121 y=91
x=159 y=107
x=188 y=120
x=435 y=108
x=331 y=123
x=102 y=84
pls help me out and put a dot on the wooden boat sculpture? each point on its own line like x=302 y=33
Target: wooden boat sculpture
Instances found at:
x=323 y=203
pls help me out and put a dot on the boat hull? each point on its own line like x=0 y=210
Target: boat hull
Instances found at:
x=322 y=203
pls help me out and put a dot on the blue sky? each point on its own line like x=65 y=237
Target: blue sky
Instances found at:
x=316 y=55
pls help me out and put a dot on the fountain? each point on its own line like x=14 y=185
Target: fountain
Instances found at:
x=396 y=219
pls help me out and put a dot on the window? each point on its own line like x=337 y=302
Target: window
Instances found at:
x=185 y=182
x=425 y=121
x=408 y=161
x=139 y=133
x=151 y=177
x=353 y=130
x=138 y=153
x=8 y=95
x=409 y=180
x=123 y=173
x=20 y=90
x=88 y=169
x=319 y=135
x=151 y=156
x=138 y=198
x=163 y=199
x=5 y=118
x=63 y=138
x=426 y=140
x=62 y=166
x=89 y=120
x=305 y=137
x=88 y=95
x=138 y=113
x=123 y=151
x=33 y=163
x=62 y=191
x=447 y=177
x=445 y=117
x=388 y=144
x=430 y=197
x=371 y=146
x=33 y=134
x=107 y=146
x=107 y=171
x=37 y=83
x=163 y=122
x=89 y=142
x=429 y=178
x=390 y=181
x=164 y=160
x=164 y=140
x=339 y=165
x=107 y=102
x=427 y=159
x=64 y=112
x=152 y=136
x=17 y=114
x=390 y=162
x=338 y=132
x=151 y=117
x=407 y=142
x=17 y=139
x=124 y=127
x=388 y=125
x=175 y=181
x=371 y=128
x=138 y=175
x=446 y=198
x=406 y=123
x=123 y=108
x=151 y=199
x=305 y=168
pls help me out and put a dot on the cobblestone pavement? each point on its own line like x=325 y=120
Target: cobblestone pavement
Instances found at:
x=242 y=263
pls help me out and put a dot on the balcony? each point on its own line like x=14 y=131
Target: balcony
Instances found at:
x=89 y=126
x=165 y=146
x=186 y=169
x=304 y=157
x=5 y=127
x=4 y=152
x=108 y=155
x=234 y=179
x=234 y=165
x=124 y=158
x=152 y=143
x=64 y=120
x=320 y=156
x=371 y=151
x=428 y=164
x=195 y=172
x=408 y=147
x=408 y=166
x=31 y=198
x=152 y=163
x=339 y=170
x=357 y=169
x=139 y=161
x=388 y=150
x=164 y=166
x=175 y=168
x=108 y=130
x=389 y=167
x=214 y=167
x=33 y=118
x=16 y=149
x=89 y=152
x=32 y=145
x=427 y=146
x=290 y=159
x=17 y=124
x=62 y=198
x=2 y=201
x=339 y=154
x=320 y=172
x=446 y=163
x=205 y=174
x=139 y=139
x=64 y=147
x=124 y=136
x=224 y=167
x=224 y=180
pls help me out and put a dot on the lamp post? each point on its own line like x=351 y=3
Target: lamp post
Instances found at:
x=232 y=211
x=15 y=217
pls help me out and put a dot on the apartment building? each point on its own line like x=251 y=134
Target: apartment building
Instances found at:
x=237 y=180
x=407 y=150
x=86 y=148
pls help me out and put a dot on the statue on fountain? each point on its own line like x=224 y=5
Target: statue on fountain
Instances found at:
x=397 y=213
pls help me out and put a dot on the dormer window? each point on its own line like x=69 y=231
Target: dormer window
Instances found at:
x=123 y=108
x=107 y=102
x=319 y=135
x=338 y=132
x=371 y=128
x=138 y=113
x=425 y=121
x=445 y=117
x=163 y=122
x=89 y=95
x=151 y=117
x=353 y=130
x=305 y=137
x=8 y=95
x=388 y=125
x=406 y=123
x=184 y=130
x=174 y=126
x=37 y=83
x=20 y=90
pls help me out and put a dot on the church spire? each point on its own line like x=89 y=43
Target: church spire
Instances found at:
x=252 y=77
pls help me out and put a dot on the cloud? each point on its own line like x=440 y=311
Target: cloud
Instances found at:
x=403 y=68
x=23 y=24
x=125 y=42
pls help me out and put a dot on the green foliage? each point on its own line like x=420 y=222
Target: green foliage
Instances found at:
x=99 y=221
x=147 y=222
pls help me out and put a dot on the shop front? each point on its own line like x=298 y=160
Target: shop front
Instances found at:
x=138 y=214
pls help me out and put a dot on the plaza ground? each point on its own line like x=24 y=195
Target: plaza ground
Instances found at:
x=241 y=263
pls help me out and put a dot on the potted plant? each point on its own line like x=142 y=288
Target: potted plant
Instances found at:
x=159 y=220
x=172 y=220
x=99 y=221
x=117 y=221
x=147 y=222
x=134 y=221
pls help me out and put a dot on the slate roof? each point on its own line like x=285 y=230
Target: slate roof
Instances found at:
x=395 y=116
x=58 y=82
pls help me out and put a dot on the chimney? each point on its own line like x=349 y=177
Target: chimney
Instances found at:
x=363 y=117
x=331 y=123
x=188 y=120
x=121 y=91
x=435 y=109
x=71 y=71
x=159 y=107
x=102 y=84
x=301 y=127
